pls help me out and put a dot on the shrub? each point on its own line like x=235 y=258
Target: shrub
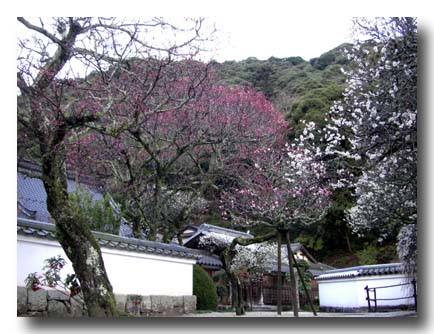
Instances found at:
x=368 y=255
x=204 y=289
x=99 y=214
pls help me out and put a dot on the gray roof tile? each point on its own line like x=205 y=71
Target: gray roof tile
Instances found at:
x=368 y=270
x=47 y=231
x=32 y=198
x=34 y=220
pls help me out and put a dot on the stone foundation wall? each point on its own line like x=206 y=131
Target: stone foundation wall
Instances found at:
x=55 y=303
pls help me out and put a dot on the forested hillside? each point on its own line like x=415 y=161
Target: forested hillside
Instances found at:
x=300 y=89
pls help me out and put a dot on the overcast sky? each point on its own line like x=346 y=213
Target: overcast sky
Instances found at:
x=278 y=36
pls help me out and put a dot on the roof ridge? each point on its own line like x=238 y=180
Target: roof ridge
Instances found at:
x=35 y=170
x=364 y=270
x=33 y=225
x=368 y=266
x=225 y=229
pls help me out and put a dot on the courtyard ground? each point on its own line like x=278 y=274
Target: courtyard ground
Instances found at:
x=267 y=314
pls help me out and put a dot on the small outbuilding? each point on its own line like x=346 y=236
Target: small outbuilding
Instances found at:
x=261 y=291
x=369 y=287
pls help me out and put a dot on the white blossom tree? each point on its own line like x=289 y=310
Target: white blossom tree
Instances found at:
x=373 y=129
x=250 y=261
x=278 y=186
x=243 y=259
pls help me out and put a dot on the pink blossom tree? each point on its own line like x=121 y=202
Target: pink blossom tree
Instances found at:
x=166 y=163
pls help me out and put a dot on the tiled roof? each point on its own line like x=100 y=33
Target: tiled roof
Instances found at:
x=31 y=193
x=205 y=229
x=47 y=231
x=368 y=270
x=34 y=218
x=32 y=198
x=223 y=230
x=298 y=247
x=319 y=268
x=207 y=259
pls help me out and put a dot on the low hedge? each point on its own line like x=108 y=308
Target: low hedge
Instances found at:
x=204 y=289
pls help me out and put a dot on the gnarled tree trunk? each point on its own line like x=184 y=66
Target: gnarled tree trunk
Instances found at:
x=227 y=256
x=77 y=241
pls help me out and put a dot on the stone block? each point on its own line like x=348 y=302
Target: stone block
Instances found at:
x=146 y=306
x=133 y=304
x=121 y=301
x=167 y=305
x=37 y=314
x=57 y=309
x=177 y=306
x=21 y=300
x=37 y=300
x=190 y=304
x=160 y=303
x=76 y=308
x=55 y=294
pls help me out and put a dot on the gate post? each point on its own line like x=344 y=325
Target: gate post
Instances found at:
x=367 y=298
x=375 y=298
x=414 y=294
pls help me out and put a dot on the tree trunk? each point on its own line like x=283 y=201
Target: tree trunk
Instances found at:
x=347 y=238
x=291 y=256
x=294 y=290
x=279 y=273
x=226 y=256
x=296 y=287
x=237 y=295
x=77 y=241
x=156 y=211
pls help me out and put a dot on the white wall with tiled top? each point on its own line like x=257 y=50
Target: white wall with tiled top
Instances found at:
x=350 y=292
x=129 y=272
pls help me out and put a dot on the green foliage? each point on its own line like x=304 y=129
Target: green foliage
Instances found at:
x=374 y=254
x=301 y=90
x=51 y=277
x=306 y=277
x=97 y=213
x=368 y=255
x=311 y=241
x=204 y=289
x=340 y=258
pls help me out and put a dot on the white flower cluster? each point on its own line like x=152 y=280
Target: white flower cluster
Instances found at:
x=407 y=248
x=375 y=124
x=215 y=242
x=383 y=201
x=250 y=262
x=371 y=136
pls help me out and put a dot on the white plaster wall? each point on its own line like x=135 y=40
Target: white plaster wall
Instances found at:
x=392 y=292
x=337 y=294
x=129 y=272
x=351 y=292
